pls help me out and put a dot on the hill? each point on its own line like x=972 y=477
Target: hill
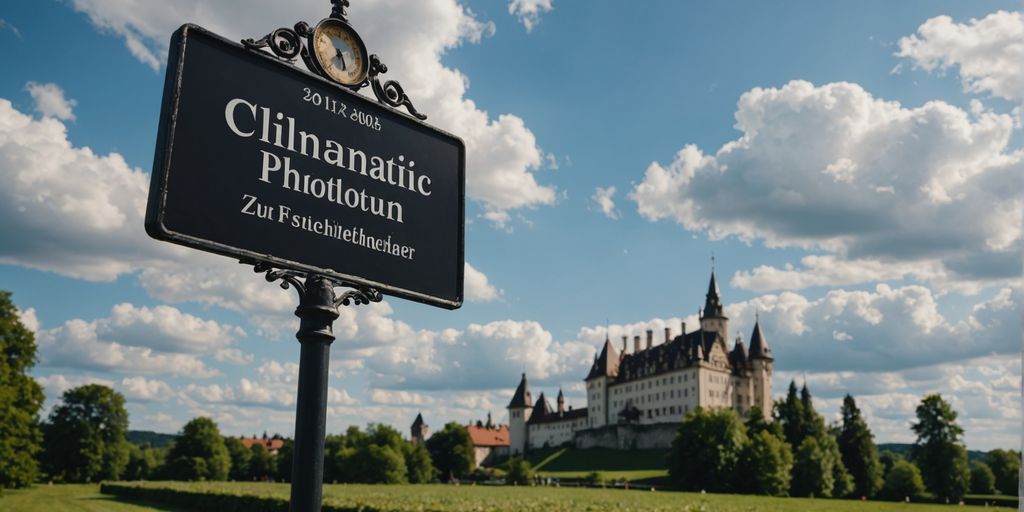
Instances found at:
x=904 y=449
x=154 y=439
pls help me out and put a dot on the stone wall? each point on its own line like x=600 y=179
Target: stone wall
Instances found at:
x=628 y=437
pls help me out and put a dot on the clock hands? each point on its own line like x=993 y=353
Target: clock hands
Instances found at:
x=341 y=55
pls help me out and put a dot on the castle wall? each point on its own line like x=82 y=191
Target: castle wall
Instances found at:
x=628 y=437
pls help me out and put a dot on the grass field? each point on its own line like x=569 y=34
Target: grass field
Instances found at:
x=569 y=463
x=69 y=498
x=403 y=498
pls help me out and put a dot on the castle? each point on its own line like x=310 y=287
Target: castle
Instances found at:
x=638 y=399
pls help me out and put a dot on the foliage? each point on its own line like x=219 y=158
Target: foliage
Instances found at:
x=765 y=465
x=595 y=478
x=903 y=481
x=240 y=458
x=199 y=453
x=860 y=455
x=379 y=455
x=85 y=436
x=417 y=462
x=518 y=472
x=887 y=458
x=284 y=461
x=261 y=463
x=939 y=451
x=789 y=413
x=756 y=423
x=143 y=462
x=706 y=450
x=1005 y=465
x=21 y=398
x=812 y=470
x=452 y=451
x=983 y=481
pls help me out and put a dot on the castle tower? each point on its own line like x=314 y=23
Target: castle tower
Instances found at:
x=761 y=361
x=713 y=317
x=420 y=430
x=561 y=402
x=519 y=410
x=603 y=371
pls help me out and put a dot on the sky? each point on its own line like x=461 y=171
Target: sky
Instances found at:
x=854 y=169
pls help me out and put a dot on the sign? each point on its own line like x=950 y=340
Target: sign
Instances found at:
x=261 y=161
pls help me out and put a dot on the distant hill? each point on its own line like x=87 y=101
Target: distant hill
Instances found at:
x=154 y=439
x=904 y=449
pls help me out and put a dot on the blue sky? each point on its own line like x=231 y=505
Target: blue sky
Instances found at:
x=854 y=168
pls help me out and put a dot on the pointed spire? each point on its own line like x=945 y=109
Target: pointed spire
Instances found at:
x=418 y=421
x=713 y=303
x=522 y=397
x=561 y=401
x=607 y=362
x=759 y=344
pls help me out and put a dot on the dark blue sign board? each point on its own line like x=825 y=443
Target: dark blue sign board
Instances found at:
x=261 y=161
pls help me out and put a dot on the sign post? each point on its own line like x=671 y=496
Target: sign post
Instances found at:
x=315 y=185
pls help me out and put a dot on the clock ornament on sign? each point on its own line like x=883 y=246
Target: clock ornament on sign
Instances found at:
x=334 y=50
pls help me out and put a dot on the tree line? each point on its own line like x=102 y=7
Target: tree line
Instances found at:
x=797 y=454
x=84 y=438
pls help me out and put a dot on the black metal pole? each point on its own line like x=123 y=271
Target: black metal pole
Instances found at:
x=317 y=311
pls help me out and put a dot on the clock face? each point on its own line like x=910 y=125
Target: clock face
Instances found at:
x=340 y=52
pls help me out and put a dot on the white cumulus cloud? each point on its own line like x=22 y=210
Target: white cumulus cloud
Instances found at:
x=477 y=287
x=50 y=101
x=604 y=199
x=988 y=52
x=834 y=169
x=528 y=11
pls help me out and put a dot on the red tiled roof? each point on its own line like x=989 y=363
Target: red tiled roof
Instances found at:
x=269 y=444
x=494 y=436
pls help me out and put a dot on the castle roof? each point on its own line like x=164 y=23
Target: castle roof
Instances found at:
x=553 y=416
x=759 y=345
x=683 y=351
x=606 y=364
x=483 y=435
x=739 y=353
x=540 y=409
x=418 y=422
x=712 y=302
x=522 y=397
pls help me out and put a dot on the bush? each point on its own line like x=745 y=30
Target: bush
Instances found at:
x=983 y=481
x=518 y=472
x=903 y=481
x=594 y=478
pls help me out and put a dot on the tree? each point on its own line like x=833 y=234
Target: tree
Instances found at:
x=240 y=457
x=859 y=453
x=812 y=470
x=789 y=413
x=756 y=424
x=382 y=465
x=903 y=481
x=1005 y=465
x=143 y=462
x=261 y=463
x=284 y=461
x=765 y=465
x=199 y=453
x=706 y=450
x=418 y=463
x=452 y=451
x=983 y=481
x=21 y=398
x=84 y=438
x=939 y=451
x=519 y=472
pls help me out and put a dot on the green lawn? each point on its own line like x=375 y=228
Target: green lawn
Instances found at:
x=67 y=498
x=571 y=463
x=403 y=498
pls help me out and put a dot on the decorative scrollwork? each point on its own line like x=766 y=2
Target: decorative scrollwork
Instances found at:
x=338 y=9
x=289 y=278
x=390 y=92
x=357 y=295
x=285 y=42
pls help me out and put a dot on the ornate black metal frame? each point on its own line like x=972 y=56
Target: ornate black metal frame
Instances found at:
x=293 y=278
x=289 y=43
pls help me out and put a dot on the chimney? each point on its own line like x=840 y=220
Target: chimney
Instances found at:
x=684 y=328
x=668 y=334
x=650 y=338
x=625 y=343
x=636 y=344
